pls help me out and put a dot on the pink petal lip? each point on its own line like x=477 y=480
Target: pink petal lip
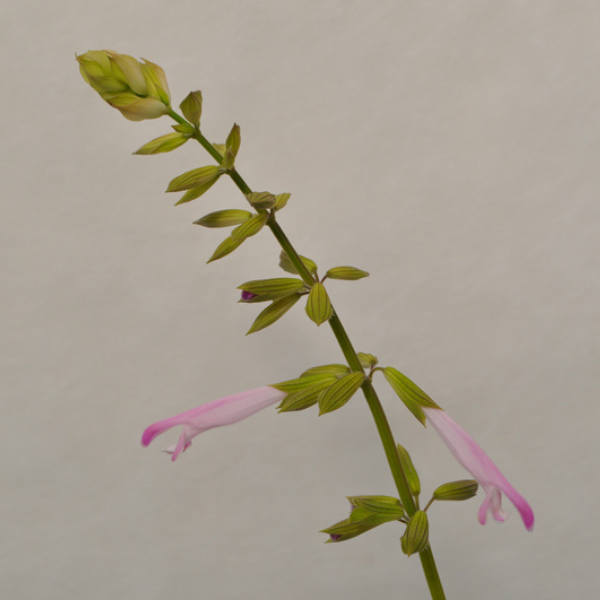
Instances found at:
x=218 y=413
x=472 y=457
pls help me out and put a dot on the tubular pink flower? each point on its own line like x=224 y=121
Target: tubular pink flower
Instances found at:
x=218 y=413
x=470 y=455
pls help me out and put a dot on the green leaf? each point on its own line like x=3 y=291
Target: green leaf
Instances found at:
x=273 y=312
x=349 y=273
x=227 y=246
x=250 y=227
x=164 y=143
x=261 y=199
x=337 y=370
x=413 y=396
x=191 y=107
x=273 y=288
x=224 y=218
x=281 y=200
x=196 y=192
x=304 y=398
x=318 y=306
x=409 y=470
x=303 y=383
x=340 y=392
x=286 y=264
x=194 y=178
x=367 y=360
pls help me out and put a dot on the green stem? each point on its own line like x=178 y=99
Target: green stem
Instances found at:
x=379 y=416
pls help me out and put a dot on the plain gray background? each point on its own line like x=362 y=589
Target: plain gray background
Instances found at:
x=449 y=148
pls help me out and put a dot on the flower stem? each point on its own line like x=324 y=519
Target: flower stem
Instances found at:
x=379 y=416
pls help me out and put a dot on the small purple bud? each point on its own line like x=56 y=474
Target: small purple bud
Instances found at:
x=334 y=537
x=246 y=296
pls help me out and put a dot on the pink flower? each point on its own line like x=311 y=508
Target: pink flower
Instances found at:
x=218 y=413
x=470 y=455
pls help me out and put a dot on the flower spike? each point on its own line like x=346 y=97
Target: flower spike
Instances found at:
x=471 y=456
x=218 y=413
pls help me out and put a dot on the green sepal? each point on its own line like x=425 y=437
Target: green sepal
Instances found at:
x=227 y=246
x=347 y=529
x=305 y=398
x=409 y=470
x=220 y=148
x=340 y=392
x=337 y=370
x=386 y=507
x=367 y=361
x=250 y=227
x=194 y=178
x=164 y=143
x=269 y=289
x=281 y=200
x=349 y=273
x=224 y=218
x=416 y=536
x=273 y=312
x=303 y=383
x=318 y=306
x=228 y=161
x=456 y=490
x=191 y=107
x=261 y=199
x=413 y=396
x=196 y=192
x=286 y=264
x=184 y=128
x=232 y=146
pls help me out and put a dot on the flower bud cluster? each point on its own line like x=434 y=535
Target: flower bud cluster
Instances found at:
x=138 y=89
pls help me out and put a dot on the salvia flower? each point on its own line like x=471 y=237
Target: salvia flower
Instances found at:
x=139 y=90
x=218 y=413
x=471 y=456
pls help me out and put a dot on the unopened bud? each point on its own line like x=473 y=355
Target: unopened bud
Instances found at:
x=138 y=90
x=456 y=490
x=416 y=536
x=191 y=107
